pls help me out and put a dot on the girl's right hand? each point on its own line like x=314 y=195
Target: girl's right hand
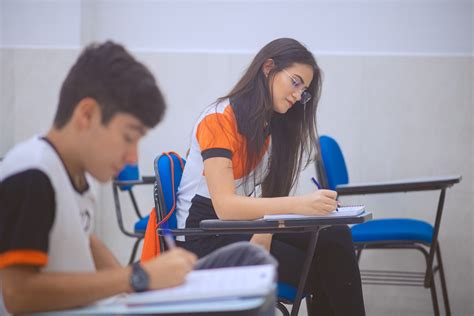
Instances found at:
x=320 y=202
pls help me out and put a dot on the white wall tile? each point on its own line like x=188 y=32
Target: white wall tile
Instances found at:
x=7 y=100
x=38 y=75
x=395 y=117
x=40 y=23
x=343 y=27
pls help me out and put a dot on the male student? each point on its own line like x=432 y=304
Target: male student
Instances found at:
x=49 y=259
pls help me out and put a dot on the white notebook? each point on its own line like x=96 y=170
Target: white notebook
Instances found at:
x=342 y=211
x=212 y=284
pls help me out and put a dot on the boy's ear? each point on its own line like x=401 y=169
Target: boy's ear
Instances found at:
x=267 y=66
x=86 y=112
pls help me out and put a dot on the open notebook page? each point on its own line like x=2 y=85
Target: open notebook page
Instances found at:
x=212 y=284
x=342 y=211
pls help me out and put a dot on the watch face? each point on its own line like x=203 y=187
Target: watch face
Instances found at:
x=139 y=279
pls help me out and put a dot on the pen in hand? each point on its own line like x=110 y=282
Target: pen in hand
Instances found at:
x=316 y=183
x=169 y=240
x=320 y=187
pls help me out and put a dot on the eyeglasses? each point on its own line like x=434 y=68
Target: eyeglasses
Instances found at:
x=298 y=85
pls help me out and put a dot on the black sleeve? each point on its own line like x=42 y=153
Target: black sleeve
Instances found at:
x=216 y=152
x=27 y=210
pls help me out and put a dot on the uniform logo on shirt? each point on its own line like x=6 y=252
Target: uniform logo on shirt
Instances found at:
x=86 y=219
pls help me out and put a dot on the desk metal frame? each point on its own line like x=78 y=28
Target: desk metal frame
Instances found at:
x=310 y=225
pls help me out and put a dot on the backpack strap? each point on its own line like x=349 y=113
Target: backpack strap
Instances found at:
x=173 y=207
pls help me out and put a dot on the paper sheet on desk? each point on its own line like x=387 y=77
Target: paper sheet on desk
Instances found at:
x=112 y=300
x=343 y=211
x=213 y=284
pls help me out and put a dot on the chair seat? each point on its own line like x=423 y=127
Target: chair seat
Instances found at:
x=286 y=292
x=140 y=226
x=393 y=229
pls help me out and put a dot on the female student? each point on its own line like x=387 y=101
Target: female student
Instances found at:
x=246 y=152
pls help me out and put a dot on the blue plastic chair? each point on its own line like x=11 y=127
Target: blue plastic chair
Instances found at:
x=127 y=179
x=169 y=170
x=391 y=233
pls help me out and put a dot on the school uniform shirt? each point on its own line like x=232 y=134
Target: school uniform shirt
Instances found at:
x=44 y=220
x=215 y=135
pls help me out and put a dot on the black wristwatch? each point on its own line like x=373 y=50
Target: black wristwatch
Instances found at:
x=139 y=280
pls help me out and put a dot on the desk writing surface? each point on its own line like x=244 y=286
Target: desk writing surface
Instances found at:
x=221 y=306
x=276 y=226
x=406 y=185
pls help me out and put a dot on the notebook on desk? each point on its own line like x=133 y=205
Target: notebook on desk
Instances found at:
x=212 y=284
x=342 y=211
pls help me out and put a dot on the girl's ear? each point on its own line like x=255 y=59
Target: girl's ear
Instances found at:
x=267 y=66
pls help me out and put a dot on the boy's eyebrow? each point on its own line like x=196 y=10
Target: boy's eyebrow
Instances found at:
x=139 y=128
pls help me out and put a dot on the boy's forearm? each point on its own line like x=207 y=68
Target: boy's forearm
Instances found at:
x=27 y=290
x=103 y=257
x=264 y=240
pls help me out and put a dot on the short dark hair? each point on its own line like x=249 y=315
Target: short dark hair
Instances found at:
x=119 y=83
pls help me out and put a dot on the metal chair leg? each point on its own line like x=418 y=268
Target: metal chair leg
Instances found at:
x=134 y=250
x=434 y=298
x=282 y=309
x=444 y=288
x=309 y=298
x=358 y=253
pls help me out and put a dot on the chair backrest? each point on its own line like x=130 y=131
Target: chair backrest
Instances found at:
x=129 y=172
x=168 y=171
x=334 y=163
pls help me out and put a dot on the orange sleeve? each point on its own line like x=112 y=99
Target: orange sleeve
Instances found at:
x=217 y=130
x=23 y=257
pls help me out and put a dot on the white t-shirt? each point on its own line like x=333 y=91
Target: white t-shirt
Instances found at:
x=44 y=220
x=216 y=135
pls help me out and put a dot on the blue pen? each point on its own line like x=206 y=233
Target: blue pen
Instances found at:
x=169 y=240
x=319 y=186
x=316 y=183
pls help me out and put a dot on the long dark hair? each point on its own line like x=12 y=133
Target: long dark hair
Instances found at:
x=293 y=134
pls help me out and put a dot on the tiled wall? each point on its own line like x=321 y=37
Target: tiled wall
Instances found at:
x=397 y=95
x=394 y=116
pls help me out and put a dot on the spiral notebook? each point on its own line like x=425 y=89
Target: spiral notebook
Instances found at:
x=342 y=211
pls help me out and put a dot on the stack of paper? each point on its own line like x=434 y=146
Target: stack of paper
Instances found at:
x=342 y=211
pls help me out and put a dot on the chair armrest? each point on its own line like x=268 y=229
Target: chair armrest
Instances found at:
x=182 y=232
x=144 y=180
x=418 y=184
x=218 y=227
x=226 y=228
x=126 y=185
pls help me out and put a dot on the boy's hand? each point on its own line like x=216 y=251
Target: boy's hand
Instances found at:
x=170 y=268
